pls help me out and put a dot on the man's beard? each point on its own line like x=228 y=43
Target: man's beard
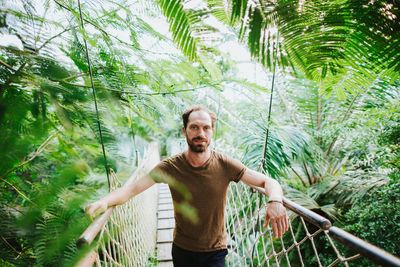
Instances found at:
x=199 y=148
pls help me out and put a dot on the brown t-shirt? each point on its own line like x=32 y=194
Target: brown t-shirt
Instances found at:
x=207 y=186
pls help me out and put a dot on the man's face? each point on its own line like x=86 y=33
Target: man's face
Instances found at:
x=198 y=131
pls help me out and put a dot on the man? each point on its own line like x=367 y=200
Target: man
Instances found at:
x=205 y=174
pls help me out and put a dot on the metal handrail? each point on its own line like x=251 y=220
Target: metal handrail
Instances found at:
x=373 y=253
x=307 y=214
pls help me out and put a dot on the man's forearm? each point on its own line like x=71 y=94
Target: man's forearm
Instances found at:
x=273 y=189
x=117 y=197
x=127 y=191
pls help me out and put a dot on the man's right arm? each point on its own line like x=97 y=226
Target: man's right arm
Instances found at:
x=119 y=196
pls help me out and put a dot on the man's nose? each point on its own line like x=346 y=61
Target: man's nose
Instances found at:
x=201 y=133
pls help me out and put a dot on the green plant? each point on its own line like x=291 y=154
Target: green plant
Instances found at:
x=375 y=218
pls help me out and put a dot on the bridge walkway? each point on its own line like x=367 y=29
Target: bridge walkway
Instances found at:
x=165 y=226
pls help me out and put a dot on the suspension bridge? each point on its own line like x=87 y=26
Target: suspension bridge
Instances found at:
x=139 y=233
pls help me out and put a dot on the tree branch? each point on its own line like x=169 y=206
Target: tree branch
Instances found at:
x=301 y=179
x=307 y=173
x=88 y=21
x=38 y=151
x=331 y=188
x=78 y=75
x=8 y=244
x=53 y=37
x=133 y=93
x=73 y=77
x=7 y=66
x=16 y=189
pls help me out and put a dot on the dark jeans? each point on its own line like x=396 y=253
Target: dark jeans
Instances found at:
x=185 y=258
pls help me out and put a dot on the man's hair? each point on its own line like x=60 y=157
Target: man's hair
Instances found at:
x=186 y=114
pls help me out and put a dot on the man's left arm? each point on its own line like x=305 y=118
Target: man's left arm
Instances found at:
x=276 y=212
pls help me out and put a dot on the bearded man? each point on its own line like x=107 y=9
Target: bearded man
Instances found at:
x=205 y=174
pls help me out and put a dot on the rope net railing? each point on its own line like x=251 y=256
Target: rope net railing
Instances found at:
x=310 y=241
x=126 y=233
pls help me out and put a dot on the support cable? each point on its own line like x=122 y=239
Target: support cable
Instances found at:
x=270 y=105
x=262 y=164
x=94 y=96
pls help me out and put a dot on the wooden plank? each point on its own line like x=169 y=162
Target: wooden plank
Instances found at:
x=164 y=214
x=165 y=206
x=165 y=200
x=163 y=187
x=164 y=252
x=165 y=235
x=165 y=264
x=164 y=191
x=166 y=223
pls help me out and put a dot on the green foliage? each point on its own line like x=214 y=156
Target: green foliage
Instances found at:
x=180 y=27
x=48 y=118
x=337 y=154
x=44 y=230
x=342 y=45
x=375 y=218
x=15 y=249
x=57 y=216
x=284 y=145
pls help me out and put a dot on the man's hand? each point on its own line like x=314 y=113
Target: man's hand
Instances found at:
x=276 y=214
x=96 y=208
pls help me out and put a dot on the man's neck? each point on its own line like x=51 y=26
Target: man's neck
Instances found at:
x=197 y=159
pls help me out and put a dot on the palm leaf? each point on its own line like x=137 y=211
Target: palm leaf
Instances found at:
x=180 y=26
x=341 y=39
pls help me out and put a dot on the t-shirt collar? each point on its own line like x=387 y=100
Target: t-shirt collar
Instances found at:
x=204 y=166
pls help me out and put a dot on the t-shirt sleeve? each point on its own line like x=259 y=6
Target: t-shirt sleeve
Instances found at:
x=159 y=173
x=235 y=169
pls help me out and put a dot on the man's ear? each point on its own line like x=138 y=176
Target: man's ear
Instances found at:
x=184 y=130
